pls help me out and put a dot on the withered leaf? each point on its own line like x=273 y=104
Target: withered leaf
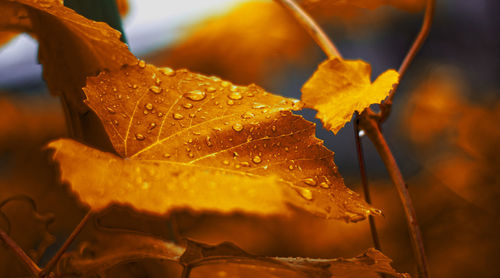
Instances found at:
x=211 y=260
x=200 y=142
x=339 y=87
x=71 y=47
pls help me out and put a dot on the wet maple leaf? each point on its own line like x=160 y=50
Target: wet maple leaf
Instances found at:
x=339 y=87
x=210 y=260
x=63 y=36
x=203 y=143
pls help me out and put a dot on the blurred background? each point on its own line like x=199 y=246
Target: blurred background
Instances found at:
x=443 y=130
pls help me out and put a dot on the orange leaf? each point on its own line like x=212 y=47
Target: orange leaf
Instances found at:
x=217 y=144
x=339 y=87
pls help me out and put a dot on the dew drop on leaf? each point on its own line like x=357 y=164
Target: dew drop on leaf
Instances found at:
x=139 y=137
x=207 y=140
x=155 y=89
x=152 y=125
x=195 y=95
x=148 y=106
x=309 y=181
x=110 y=110
x=167 y=71
x=235 y=95
x=306 y=193
x=225 y=162
x=230 y=102
x=187 y=105
x=211 y=90
x=256 y=159
x=142 y=64
x=177 y=116
x=248 y=115
x=237 y=127
x=324 y=185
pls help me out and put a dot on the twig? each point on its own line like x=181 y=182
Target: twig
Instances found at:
x=369 y=123
x=417 y=44
x=23 y=257
x=364 y=181
x=54 y=260
x=312 y=28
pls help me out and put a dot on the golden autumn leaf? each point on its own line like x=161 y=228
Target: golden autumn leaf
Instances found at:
x=63 y=36
x=239 y=45
x=210 y=260
x=339 y=87
x=207 y=138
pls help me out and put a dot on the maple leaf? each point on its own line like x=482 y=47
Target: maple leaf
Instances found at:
x=203 y=143
x=339 y=87
x=64 y=36
x=210 y=260
x=239 y=45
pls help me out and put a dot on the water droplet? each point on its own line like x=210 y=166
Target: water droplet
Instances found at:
x=152 y=125
x=225 y=84
x=237 y=127
x=139 y=137
x=256 y=159
x=195 y=95
x=187 y=105
x=110 y=110
x=192 y=115
x=160 y=114
x=191 y=155
x=167 y=71
x=157 y=81
x=148 y=106
x=177 y=116
x=245 y=164
x=324 y=185
x=207 y=140
x=306 y=193
x=115 y=122
x=235 y=95
x=155 y=89
x=225 y=162
x=273 y=128
x=259 y=105
x=309 y=181
x=166 y=155
x=211 y=89
x=290 y=167
x=361 y=133
x=248 y=115
x=142 y=64
x=230 y=102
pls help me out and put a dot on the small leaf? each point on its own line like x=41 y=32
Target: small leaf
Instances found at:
x=339 y=87
x=198 y=142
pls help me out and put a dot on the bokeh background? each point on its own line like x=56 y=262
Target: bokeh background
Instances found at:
x=443 y=130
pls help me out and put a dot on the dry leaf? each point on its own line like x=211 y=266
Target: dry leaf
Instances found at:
x=216 y=143
x=240 y=45
x=210 y=261
x=339 y=87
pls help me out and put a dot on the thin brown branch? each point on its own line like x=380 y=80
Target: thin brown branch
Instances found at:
x=23 y=257
x=410 y=55
x=54 y=260
x=364 y=181
x=369 y=123
x=311 y=27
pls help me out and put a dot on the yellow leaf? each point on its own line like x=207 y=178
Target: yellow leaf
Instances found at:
x=203 y=143
x=339 y=87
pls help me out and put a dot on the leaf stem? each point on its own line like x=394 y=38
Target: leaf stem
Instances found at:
x=370 y=124
x=410 y=55
x=23 y=257
x=54 y=260
x=312 y=28
x=364 y=181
